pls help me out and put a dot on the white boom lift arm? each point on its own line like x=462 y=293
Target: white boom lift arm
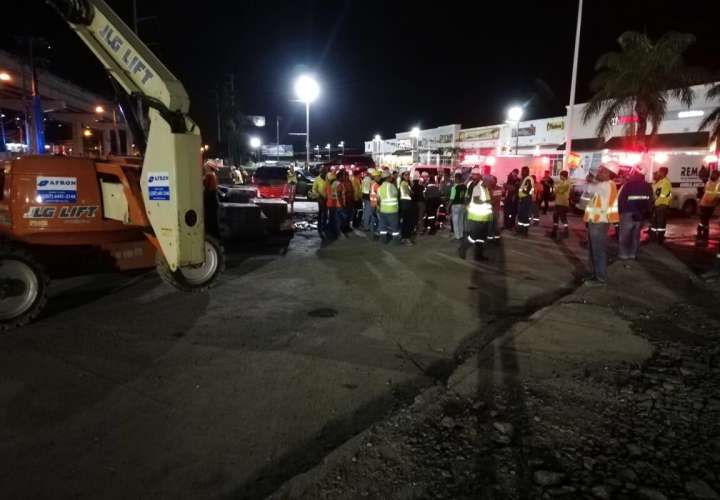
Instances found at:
x=171 y=180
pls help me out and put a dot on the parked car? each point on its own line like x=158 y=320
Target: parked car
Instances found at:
x=304 y=185
x=271 y=182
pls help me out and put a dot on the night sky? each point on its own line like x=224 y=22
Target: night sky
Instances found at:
x=383 y=66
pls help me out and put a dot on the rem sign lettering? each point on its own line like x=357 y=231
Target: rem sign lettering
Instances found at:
x=56 y=189
x=125 y=55
x=159 y=186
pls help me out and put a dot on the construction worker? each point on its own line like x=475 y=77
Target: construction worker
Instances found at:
x=388 y=209
x=331 y=199
x=479 y=215
x=210 y=200
x=510 y=202
x=418 y=189
x=526 y=194
x=663 y=196
x=346 y=198
x=357 y=196
x=548 y=190
x=537 y=200
x=599 y=214
x=457 y=207
x=710 y=199
x=319 y=192
x=562 y=206
x=496 y=194
x=635 y=201
x=374 y=218
x=407 y=209
x=292 y=181
x=366 y=206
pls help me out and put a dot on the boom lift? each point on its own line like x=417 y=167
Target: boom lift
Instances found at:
x=135 y=215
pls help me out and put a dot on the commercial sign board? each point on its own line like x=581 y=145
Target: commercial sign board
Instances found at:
x=479 y=134
x=282 y=150
x=524 y=131
x=555 y=125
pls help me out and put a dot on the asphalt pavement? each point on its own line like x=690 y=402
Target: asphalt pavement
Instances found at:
x=128 y=389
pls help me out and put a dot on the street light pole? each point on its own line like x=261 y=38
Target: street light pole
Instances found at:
x=573 y=84
x=517 y=136
x=307 y=136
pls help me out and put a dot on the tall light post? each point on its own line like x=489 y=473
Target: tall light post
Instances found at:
x=341 y=145
x=415 y=134
x=255 y=144
x=307 y=90
x=378 y=139
x=573 y=83
x=514 y=115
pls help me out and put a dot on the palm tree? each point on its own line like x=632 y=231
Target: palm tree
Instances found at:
x=712 y=121
x=639 y=80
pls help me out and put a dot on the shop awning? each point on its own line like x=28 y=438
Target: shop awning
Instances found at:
x=689 y=140
x=591 y=144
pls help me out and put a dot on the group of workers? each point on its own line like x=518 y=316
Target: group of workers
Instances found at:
x=390 y=206
x=397 y=207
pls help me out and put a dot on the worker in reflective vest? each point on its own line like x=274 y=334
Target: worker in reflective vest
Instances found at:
x=599 y=214
x=526 y=195
x=331 y=200
x=366 y=185
x=710 y=199
x=319 y=192
x=407 y=209
x=635 y=201
x=663 y=196
x=479 y=216
x=388 y=207
x=562 y=206
x=374 y=187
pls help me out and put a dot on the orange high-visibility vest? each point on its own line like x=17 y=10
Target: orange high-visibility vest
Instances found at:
x=594 y=212
x=373 y=194
x=330 y=195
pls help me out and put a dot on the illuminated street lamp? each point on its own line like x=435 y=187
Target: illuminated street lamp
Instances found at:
x=307 y=90
x=328 y=147
x=415 y=134
x=378 y=139
x=87 y=132
x=514 y=115
x=255 y=144
x=99 y=110
x=5 y=76
x=341 y=145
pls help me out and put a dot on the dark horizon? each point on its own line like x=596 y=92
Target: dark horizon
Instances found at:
x=382 y=68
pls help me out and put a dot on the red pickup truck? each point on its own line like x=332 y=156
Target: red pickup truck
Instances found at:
x=271 y=182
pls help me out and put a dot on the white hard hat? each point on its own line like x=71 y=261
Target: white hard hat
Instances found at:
x=385 y=174
x=612 y=166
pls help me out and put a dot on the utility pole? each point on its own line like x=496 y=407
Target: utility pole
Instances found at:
x=573 y=84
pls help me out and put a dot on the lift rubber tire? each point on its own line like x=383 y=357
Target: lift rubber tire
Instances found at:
x=198 y=279
x=23 y=287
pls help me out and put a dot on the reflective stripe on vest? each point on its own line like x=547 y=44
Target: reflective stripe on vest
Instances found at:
x=405 y=192
x=595 y=212
x=480 y=212
x=388 y=198
x=522 y=193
